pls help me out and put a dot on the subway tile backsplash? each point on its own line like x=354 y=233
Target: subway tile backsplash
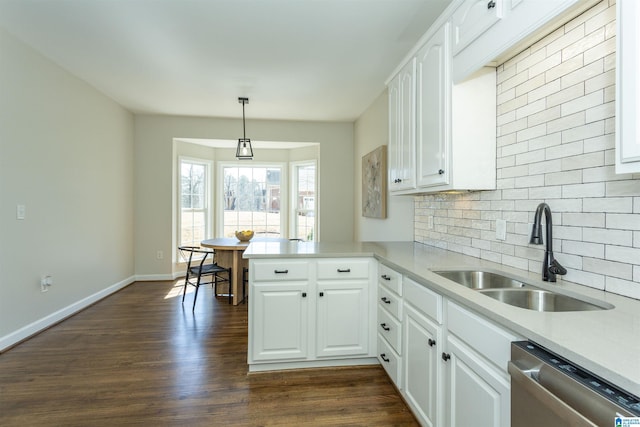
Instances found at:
x=555 y=127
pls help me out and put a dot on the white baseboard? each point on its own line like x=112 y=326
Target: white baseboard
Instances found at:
x=158 y=277
x=53 y=318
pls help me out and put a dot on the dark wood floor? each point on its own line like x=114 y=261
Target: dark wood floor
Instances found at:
x=140 y=358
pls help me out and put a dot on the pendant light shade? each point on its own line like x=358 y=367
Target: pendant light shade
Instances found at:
x=244 y=150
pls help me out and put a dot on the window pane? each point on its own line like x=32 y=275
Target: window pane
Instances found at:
x=194 y=212
x=248 y=196
x=305 y=201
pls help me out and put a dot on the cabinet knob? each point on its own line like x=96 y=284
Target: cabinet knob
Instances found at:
x=397 y=180
x=321 y=294
x=385 y=300
x=384 y=357
x=491 y=4
x=446 y=356
x=385 y=327
x=304 y=295
x=441 y=172
x=432 y=342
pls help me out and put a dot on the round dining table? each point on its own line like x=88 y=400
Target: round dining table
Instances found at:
x=229 y=254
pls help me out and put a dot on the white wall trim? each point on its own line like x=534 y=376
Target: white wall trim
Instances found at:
x=158 y=277
x=53 y=318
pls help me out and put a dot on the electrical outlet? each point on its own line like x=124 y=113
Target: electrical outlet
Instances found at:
x=21 y=211
x=159 y=255
x=501 y=229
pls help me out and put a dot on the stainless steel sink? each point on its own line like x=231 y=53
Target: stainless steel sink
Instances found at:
x=539 y=300
x=518 y=293
x=482 y=279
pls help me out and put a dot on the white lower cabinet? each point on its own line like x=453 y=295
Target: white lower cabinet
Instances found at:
x=313 y=310
x=477 y=393
x=453 y=362
x=422 y=367
x=342 y=316
x=279 y=321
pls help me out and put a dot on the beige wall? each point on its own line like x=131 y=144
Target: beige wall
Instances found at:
x=371 y=130
x=154 y=174
x=66 y=153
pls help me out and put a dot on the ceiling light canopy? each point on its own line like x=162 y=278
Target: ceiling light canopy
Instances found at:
x=244 y=150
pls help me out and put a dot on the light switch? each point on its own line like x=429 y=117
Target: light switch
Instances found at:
x=21 y=211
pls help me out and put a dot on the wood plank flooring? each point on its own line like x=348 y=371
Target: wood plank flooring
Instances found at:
x=139 y=357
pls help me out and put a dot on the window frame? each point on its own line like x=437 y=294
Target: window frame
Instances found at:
x=284 y=190
x=293 y=214
x=208 y=199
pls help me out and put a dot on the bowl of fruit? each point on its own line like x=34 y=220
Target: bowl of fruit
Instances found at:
x=244 y=235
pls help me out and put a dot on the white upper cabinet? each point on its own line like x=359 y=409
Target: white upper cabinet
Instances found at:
x=627 y=87
x=402 y=101
x=488 y=30
x=473 y=18
x=433 y=98
x=454 y=126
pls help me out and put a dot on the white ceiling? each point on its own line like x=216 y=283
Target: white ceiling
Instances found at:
x=294 y=59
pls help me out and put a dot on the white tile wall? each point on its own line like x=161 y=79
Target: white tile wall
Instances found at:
x=556 y=118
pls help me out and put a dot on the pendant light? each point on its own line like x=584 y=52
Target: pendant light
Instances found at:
x=244 y=150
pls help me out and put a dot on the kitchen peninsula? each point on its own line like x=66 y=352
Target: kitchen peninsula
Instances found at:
x=603 y=341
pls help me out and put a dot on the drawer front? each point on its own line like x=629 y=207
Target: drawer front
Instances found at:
x=390 y=302
x=279 y=270
x=490 y=340
x=473 y=18
x=390 y=278
x=423 y=299
x=390 y=361
x=390 y=329
x=349 y=268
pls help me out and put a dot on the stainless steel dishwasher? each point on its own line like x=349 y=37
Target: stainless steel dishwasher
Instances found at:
x=548 y=390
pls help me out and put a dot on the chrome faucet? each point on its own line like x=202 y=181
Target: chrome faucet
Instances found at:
x=550 y=267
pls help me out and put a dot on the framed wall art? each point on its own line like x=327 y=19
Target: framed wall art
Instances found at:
x=374 y=183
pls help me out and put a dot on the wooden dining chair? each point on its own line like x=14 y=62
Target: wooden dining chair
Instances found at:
x=201 y=264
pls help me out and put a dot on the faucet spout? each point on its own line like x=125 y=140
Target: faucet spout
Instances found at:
x=550 y=266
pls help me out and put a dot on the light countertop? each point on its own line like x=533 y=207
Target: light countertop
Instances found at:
x=606 y=342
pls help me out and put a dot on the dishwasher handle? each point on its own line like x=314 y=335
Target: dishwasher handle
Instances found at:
x=571 y=417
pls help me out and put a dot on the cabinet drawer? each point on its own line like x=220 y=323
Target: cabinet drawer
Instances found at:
x=390 y=329
x=343 y=269
x=423 y=299
x=390 y=278
x=488 y=339
x=390 y=361
x=390 y=301
x=280 y=270
x=473 y=18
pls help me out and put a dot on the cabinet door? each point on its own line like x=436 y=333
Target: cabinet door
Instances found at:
x=342 y=318
x=422 y=367
x=471 y=19
x=402 y=98
x=433 y=110
x=478 y=394
x=279 y=319
x=627 y=87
